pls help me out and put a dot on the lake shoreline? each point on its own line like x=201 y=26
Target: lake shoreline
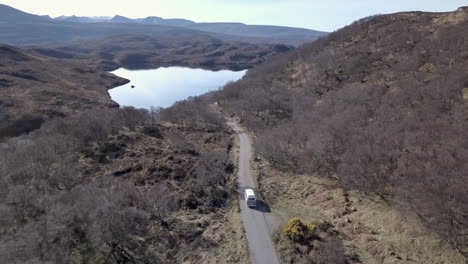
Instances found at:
x=164 y=86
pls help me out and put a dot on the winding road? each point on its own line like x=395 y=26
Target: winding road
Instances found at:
x=261 y=248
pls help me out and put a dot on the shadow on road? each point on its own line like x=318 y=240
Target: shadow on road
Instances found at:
x=261 y=207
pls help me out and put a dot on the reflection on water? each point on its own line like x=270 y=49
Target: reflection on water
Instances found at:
x=164 y=86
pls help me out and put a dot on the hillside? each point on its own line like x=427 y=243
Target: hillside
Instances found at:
x=285 y=35
x=142 y=52
x=35 y=88
x=380 y=107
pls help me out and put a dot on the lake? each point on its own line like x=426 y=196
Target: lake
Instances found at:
x=164 y=86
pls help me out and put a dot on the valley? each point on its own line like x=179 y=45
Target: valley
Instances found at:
x=131 y=140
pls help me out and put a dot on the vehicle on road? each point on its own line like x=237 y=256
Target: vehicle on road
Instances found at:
x=250 y=198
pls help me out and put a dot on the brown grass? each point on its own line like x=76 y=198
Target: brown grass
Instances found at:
x=377 y=232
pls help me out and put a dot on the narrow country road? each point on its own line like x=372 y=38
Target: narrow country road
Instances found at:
x=256 y=227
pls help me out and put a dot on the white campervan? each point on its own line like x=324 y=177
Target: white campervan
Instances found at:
x=250 y=198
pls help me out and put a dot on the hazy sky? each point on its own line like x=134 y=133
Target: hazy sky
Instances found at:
x=327 y=15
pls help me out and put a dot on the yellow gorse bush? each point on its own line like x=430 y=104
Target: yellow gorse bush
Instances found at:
x=296 y=230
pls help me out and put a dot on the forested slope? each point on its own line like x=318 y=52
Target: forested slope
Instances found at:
x=121 y=186
x=380 y=105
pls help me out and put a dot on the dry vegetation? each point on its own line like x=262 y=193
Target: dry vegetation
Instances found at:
x=378 y=106
x=121 y=186
x=350 y=227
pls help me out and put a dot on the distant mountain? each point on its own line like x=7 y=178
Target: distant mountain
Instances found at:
x=177 y=22
x=236 y=29
x=122 y=19
x=150 y=20
x=20 y=28
x=240 y=29
x=83 y=19
x=278 y=34
x=12 y=15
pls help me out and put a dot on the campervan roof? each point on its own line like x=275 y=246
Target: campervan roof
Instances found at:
x=249 y=193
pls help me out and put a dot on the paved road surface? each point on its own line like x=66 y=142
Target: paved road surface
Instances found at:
x=256 y=227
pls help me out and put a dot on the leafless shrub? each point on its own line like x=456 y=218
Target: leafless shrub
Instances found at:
x=329 y=252
x=209 y=169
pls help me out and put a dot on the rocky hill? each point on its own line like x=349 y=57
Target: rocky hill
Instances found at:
x=34 y=88
x=379 y=106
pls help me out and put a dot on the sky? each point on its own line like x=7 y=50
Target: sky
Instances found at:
x=325 y=15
